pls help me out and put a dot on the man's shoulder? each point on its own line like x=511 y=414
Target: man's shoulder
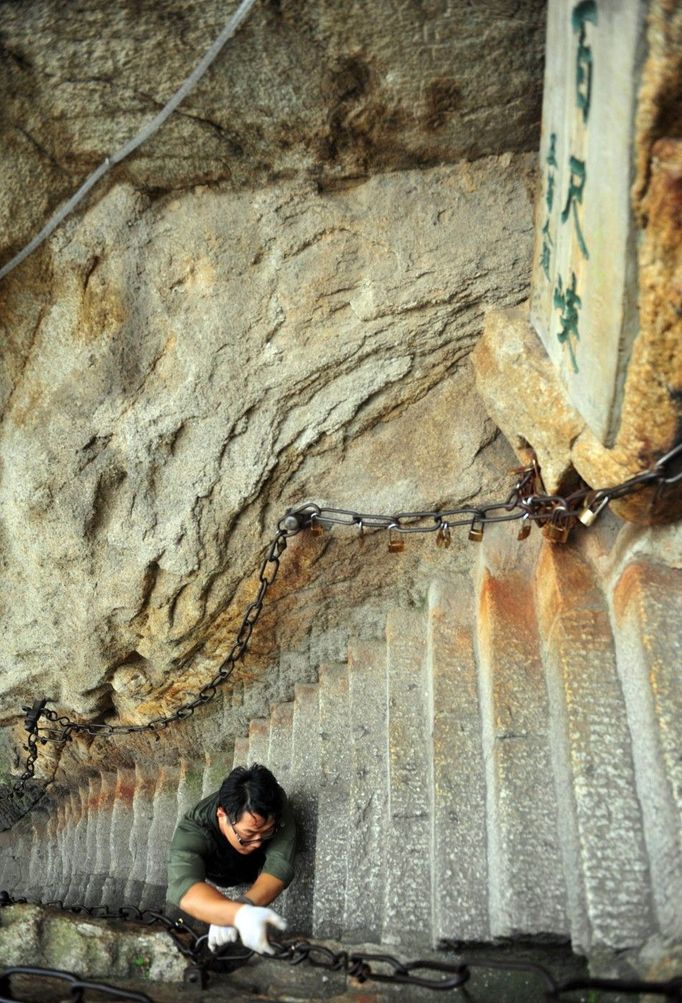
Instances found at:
x=204 y=811
x=200 y=820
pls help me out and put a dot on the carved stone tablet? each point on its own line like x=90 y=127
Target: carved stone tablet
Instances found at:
x=584 y=292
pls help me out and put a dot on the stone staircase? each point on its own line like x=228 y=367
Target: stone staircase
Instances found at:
x=502 y=761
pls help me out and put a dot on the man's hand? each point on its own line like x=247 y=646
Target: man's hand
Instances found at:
x=252 y=923
x=219 y=936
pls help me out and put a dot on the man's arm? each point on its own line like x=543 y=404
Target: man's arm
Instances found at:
x=252 y=921
x=209 y=905
x=265 y=889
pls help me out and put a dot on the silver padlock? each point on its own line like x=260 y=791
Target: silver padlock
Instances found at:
x=589 y=514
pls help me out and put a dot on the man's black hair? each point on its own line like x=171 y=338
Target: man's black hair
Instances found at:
x=252 y=789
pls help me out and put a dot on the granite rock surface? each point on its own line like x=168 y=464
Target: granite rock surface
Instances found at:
x=183 y=369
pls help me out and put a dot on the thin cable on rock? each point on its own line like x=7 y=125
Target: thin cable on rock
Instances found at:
x=228 y=31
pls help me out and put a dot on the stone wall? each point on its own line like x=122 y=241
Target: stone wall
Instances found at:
x=182 y=368
x=322 y=90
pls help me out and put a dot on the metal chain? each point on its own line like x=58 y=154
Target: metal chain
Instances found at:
x=526 y=502
x=266 y=576
x=453 y=975
x=362 y=966
x=76 y=985
x=289 y=526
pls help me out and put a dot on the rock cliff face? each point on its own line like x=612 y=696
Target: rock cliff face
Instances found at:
x=196 y=364
x=253 y=310
x=321 y=90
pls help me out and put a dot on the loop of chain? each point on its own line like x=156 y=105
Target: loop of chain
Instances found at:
x=362 y=966
x=61 y=728
x=453 y=975
x=526 y=502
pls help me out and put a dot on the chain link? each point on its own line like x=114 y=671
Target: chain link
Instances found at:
x=526 y=502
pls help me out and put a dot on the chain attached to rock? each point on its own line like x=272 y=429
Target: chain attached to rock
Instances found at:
x=527 y=502
x=362 y=966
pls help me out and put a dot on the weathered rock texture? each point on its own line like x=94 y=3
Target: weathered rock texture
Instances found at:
x=87 y=946
x=323 y=90
x=196 y=364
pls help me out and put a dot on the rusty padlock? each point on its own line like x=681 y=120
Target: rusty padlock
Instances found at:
x=476 y=532
x=443 y=537
x=524 y=531
x=558 y=527
x=396 y=544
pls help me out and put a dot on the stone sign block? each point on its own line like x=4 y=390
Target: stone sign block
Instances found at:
x=584 y=293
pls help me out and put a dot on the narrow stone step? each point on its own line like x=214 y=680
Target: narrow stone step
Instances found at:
x=50 y=888
x=161 y=828
x=241 y=751
x=69 y=834
x=459 y=831
x=121 y=821
x=79 y=876
x=601 y=825
x=331 y=848
x=279 y=762
x=407 y=860
x=647 y=609
x=527 y=893
x=304 y=783
x=281 y=737
x=217 y=753
x=363 y=910
x=95 y=881
x=74 y=843
x=65 y=842
x=63 y=849
x=259 y=740
x=103 y=857
x=145 y=783
x=190 y=780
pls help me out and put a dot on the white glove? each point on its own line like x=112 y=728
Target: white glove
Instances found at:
x=252 y=922
x=218 y=936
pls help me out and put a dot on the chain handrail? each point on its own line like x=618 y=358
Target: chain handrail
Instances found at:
x=527 y=502
x=76 y=985
x=364 y=966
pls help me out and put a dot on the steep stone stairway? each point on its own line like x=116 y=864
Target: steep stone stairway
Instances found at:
x=503 y=761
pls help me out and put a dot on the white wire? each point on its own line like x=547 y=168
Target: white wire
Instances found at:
x=228 y=31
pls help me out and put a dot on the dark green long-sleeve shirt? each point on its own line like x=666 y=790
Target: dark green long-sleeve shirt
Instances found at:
x=200 y=852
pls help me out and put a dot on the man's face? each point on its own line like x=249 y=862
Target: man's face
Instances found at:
x=247 y=833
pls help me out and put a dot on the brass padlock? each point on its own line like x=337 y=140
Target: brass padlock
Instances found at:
x=557 y=530
x=443 y=537
x=555 y=533
x=524 y=532
x=396 y=544
x=476 y=532
x=316 y=528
